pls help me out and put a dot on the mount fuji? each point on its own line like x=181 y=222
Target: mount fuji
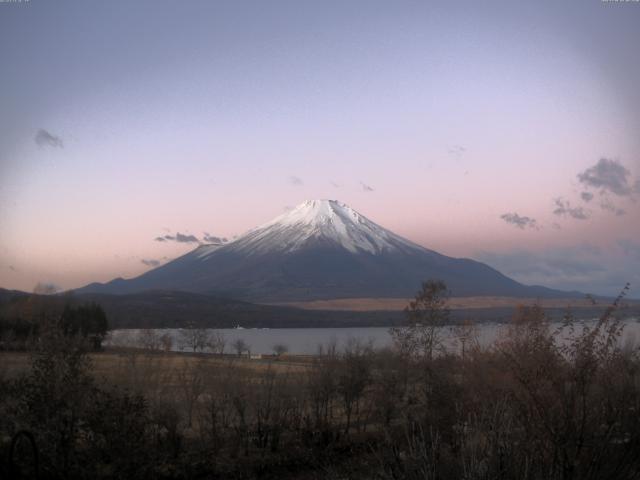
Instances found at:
x=322 y=249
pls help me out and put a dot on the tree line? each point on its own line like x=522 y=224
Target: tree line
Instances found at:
x=89 y=321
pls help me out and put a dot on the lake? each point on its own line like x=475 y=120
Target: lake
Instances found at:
x=306 y=341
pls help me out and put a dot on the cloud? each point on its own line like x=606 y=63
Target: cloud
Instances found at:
x=609 y=206
x=45 y=139
x=181 y=238
x=586 y=196
x=456 y=150
x=46 y=288
x=178 y=237
x=212 y=239
x=609 y=176
x=150 y=262
x=165 y=238
x=563 y=208
x=366 y=187
x=519 y=221
x=295 y=181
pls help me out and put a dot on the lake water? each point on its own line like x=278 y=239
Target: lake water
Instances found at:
x=306 y=341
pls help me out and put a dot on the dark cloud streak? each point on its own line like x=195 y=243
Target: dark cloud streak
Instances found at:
x=519 y=221
x=563 y=208
x=207 y=238
x=46 y=139
x=181 y=238
x=295 y=181
x=178 y=237
x=586 y=196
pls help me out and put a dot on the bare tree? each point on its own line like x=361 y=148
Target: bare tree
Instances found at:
x=240 y=346
x=353 y=377
x=322 y=388
x=217 y=343
x=217 y=415
x=466 y=334
x=149 y=339
x=280 y=349
x=191 y=381
x=166 y=341
x=195 y=339
x=425 y=315
x=573 y=398
x=391 y=377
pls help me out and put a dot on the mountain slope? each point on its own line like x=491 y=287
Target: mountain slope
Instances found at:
x=321 y=249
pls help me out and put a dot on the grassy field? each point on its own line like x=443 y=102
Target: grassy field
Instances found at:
x=117 y=364
x=397 y=304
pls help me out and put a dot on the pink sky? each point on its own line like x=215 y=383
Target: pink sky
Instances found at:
x=197 y=120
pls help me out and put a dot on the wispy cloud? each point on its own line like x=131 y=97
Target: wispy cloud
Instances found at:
x=586 y=196
x=178 y=237
x=519 y=221
x=46 y=139
x=609 y=176
x=183 y=238
x=564 y=208
x=295 y=181
x=607 y=205
x=456 y=150
x=366 y=187
x=207 y=238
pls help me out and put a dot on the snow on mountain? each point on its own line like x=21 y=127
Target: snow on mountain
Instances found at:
x=327 y=221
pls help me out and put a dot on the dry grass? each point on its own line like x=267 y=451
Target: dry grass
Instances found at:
x=116 y=365
x=397 y=304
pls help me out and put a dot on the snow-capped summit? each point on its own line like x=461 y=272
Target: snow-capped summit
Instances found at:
x=321 y=249
x=327 y=222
